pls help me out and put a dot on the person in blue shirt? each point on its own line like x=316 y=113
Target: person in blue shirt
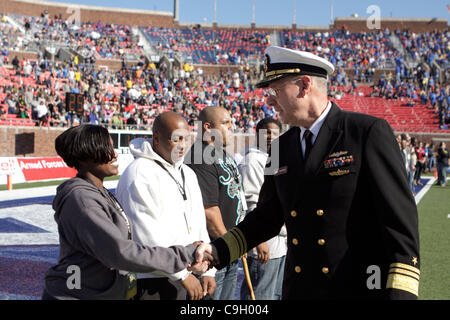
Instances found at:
x=93 y=118
x=433 y=99
x=75 y=90
x=65 y=73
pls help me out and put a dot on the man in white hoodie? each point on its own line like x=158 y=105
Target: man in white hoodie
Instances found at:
x=162 y=197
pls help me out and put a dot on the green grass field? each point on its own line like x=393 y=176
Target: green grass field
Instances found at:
x=434 y=232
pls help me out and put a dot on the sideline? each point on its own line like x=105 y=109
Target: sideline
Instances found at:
x=424 y=190
x=25 y=196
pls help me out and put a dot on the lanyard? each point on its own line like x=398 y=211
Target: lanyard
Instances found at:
x=181 y=188
x=114 y=201
x=120 y=209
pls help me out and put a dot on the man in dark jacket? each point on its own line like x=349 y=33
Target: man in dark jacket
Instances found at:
x=340 y=188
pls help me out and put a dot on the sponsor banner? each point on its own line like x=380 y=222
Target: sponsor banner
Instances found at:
x=34 y=169
x=45 y=168
x=8 y=166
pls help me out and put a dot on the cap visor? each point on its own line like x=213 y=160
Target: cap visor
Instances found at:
x=267 y=80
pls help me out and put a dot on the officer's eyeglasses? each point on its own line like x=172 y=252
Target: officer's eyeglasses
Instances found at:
x=274 y=92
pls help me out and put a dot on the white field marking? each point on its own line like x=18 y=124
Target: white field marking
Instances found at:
x=27 y=193
x=38 y=215
x=424 y=190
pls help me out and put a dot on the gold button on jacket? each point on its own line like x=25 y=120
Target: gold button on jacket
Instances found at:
x=297 y=269
x=325 y=270
x=320 y=212
x=321 y=242
x=293 y=213
x=295 y=241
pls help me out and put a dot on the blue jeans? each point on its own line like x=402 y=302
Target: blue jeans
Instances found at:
x=226 y=282
x=411 y=180
x=442 y=173
x=267 y=279
x=431 y=163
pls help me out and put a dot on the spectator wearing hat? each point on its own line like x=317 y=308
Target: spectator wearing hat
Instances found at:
x=340 y=187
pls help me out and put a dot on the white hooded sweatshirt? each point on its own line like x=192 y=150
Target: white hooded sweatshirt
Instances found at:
x=252 y=172
x=153 y=202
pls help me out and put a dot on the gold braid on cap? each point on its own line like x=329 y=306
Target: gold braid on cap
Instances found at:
x=282 y=71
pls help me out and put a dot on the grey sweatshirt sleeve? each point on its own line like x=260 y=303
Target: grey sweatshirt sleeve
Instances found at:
x=88 y=228
x=252 y=172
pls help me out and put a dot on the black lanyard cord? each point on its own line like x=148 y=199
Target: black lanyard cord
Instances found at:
x=181 y=188
x=118 y=206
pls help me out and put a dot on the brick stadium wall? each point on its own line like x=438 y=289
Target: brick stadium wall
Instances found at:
x=92 y=14
x=13 y=140
x=22 y=55
x=26 y=141
x=113 y=64
x=216 y=69
x=20 y=141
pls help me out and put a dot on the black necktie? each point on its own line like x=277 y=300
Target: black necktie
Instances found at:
x=307 y=136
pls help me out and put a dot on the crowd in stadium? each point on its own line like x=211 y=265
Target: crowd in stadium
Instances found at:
x=130 y=97
x=133 y=96
x=96 y=40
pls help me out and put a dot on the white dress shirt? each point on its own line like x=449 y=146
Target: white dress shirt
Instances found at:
x=315 y=127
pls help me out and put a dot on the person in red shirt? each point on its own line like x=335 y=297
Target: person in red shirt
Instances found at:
x=420 y=165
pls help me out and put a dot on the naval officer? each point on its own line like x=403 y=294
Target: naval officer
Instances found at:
x=340 y=188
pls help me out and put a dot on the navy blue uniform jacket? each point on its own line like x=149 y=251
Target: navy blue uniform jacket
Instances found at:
x=350 y=216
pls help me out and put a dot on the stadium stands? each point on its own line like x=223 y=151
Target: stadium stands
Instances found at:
x=344 y=49
x=209 y=46
x=95 y=39
x=413 y=100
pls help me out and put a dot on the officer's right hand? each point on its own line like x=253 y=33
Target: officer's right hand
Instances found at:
x=193 y=287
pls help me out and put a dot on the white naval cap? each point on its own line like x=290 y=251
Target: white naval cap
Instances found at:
x=281 y=62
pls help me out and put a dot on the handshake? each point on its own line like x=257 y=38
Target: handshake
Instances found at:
x=204 y=259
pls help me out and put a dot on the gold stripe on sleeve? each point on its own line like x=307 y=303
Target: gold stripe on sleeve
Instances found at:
x=403 y=282
x=404 y=272
x=405 y=266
